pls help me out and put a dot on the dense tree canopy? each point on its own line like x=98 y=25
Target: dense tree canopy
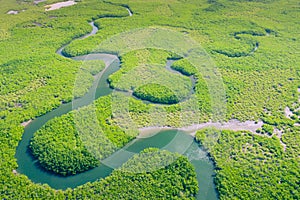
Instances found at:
x=251 y=166
x=253 y=44
x=156 y=93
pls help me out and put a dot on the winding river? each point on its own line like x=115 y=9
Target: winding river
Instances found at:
x=172 y=140
x=255 y=46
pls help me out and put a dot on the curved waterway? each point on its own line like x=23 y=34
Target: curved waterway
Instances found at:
x=172 y=140
x=255 y=46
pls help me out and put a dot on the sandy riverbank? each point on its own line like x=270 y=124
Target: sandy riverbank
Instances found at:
x=234 y=125
x=26 y=123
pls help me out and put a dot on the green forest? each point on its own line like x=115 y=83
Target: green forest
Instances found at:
x=62 y=152
x=257 y=166
x=156 y=93
x=252 y=44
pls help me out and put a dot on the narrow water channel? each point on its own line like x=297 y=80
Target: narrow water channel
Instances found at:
x=172 y=140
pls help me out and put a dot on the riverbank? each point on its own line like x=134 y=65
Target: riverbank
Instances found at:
x=234 y=125
x=26 y=123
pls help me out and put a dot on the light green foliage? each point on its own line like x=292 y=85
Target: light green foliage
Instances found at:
x=254 y=94
x=93 y=66
x=176 y=115
x=184 y=67
x=84 y=77
x=28 y=60
x=83 y=82
x=112 y=131
x=156 y=93
x=133 y=73
x=291 y=138
x=141 y=73
x=259 y=84
x=76 y=141
x=147 y=74
x=125 y=183
x=250 y=166
x=59 y=149
x=201 y=89
x=267 y=129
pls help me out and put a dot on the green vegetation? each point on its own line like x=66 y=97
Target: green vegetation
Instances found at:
x=125 y=183
x=147 y=74
x=85 y=76
x=251 y=166
x=156 y=93
x=184 y=67
x=144 y=70
x=74 y=142
x=266 y=129
x=93 y=66
x=28 y=59
x=150 y=183
x=259 y=84
x=59 y=149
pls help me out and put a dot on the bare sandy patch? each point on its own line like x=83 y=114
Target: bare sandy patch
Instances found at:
x=279 y=134
x=26 y=123
x=38 y=1
x=287 y=112
x=12 y=12
x=233 y=124
x=59 y=5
